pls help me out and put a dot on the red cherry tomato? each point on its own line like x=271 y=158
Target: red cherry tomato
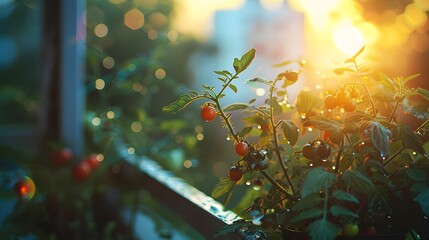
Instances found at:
x=25 y=188
x=81 y=171
x=208 y=113
x=343 y=98
x=92 y=161
x=330 y=102
x=235 y=173
x=351 y=107
x=242 y=149
x=61 y=156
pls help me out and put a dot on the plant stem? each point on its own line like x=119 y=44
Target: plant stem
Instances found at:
x=337 y=159
x=226 y=85
x=374 y=114
x=226 y=119
x=278 y=186
x=276 y=141
x=393 y=111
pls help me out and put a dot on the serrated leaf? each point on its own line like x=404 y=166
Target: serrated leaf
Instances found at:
x=245 y=60
x=322 y=229
x=223 y=186
x=235 y=106
x=417 y=174
x=409 y=139
x=422 y=199
x=340 y=211
x=307 y=202
x=424 y=93
x=291 y=131
x=317 y=179
x=358 y=182
x=380 y=136
x=308 y=214
x=180 y=103
x=353 y=59
x=233 y=87
x=344 y=196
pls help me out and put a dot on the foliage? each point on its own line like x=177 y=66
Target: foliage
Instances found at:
x=365 y=167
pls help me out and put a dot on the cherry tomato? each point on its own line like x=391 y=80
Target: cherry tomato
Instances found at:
x=61 y=156
x=343 y=98
x=323 y=151
x=81 y=171
x=350 y=230
x=330 y=102
x=208 y=113
x=308 y=151
x=92 y=161
x=354 y=93
x=265 y=127
x=25 y=188
x=242 y=149
x=351 y=106
x=235 y=173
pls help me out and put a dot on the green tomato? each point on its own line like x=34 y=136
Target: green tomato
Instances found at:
x=350 y=230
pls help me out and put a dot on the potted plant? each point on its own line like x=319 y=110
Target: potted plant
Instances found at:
x=360 y=173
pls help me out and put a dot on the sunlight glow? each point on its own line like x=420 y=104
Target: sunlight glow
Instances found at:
x=348 y=39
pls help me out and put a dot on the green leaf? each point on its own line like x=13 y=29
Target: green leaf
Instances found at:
x=223 y=186
x=282 y=64
x=223 y=73
x=409 y=139
x=358 y=182
x=409 y=78
x=380 y=136
x=245 y=60
x=387 y=80
x=424 y=93
x=353 y=59
x=257 y=80
x=317 y=179
x=180 y=103
x=252 y=100
x=254 y=119
x=306 y=101
x=307 y=214
x=357 y=116
x=344 y=196
x=340 y=211
x=322 y=229
x=235 y=106
x=233 y=88
x=422 y=199
x=307 y=202
x=346 y=161
x=291 y=131
x=333 y=127
x=417 y=174
x=245 y=131
x=340 y=71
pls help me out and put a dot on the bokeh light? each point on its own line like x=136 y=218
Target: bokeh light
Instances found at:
x=99 y=84
x=101 y=30
x=134 y=19
x=108 y=62
x=136 y=126
x=160 y=73
x=348 y=39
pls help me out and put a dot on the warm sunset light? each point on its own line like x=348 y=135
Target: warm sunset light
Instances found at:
x=348 y=39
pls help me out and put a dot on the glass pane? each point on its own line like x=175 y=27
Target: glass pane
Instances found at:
x=20 y=79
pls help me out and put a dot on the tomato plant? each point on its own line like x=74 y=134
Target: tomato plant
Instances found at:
x=325 y=167
x=61 y=156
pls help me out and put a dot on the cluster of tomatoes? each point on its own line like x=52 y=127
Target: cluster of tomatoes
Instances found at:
x=343 y=98
x=316 y=152
x=81 y=170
